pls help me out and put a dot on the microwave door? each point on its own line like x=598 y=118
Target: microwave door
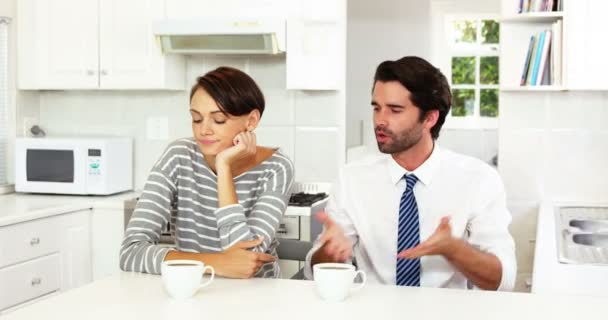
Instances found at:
x=50 y=165
x=55 y=170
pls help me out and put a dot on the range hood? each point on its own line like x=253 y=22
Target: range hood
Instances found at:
x=227 y=36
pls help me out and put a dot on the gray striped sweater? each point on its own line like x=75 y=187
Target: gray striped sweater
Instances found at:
x=182 y=179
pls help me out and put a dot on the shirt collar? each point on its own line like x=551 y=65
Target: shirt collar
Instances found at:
x=424 y=172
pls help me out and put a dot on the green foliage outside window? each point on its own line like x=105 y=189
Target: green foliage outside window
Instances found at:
x=465 y=31
x=463 y=70
x=490 y=31
x=488 y=106
x=488 y=70
x=463 y=102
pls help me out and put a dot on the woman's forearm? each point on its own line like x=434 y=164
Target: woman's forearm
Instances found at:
x=226 y=191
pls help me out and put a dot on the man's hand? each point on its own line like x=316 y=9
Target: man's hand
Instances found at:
x=335 y=246
x=438 y=243
x=244 y=145
x=238 y=262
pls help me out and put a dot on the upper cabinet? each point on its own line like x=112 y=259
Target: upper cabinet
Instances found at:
x=315 y=58
x=585 y=44
x=316 y=46
x=93 y=44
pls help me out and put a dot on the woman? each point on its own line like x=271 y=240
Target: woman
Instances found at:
x=229 y=193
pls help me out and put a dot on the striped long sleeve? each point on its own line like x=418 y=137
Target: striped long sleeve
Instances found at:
x=140 y=249
x=263 y=220
x=181 y=180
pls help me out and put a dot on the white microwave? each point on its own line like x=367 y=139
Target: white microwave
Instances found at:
x=84 y=166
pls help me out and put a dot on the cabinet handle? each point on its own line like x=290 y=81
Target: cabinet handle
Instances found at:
x=90 y=72
x=34 y=241
x=36 y=281
x=104 y=72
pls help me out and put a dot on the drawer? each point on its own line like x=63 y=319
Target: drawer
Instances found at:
x=29 y=280
x=289 y=228
x=28 y=240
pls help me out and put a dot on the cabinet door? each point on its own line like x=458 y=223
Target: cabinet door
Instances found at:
x=57 y=44
x=315 y=55
x=130 y=55
x=75 y=249
x=585 y=46
x=107 y=233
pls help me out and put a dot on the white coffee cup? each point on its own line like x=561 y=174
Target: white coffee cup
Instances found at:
x=335 y=281
x=182 y=278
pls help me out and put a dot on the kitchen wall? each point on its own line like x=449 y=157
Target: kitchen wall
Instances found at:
x=555 y=146
x=23 y=103
x=303 y=123
x=377 y=31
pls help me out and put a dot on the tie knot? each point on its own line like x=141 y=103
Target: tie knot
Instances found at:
x=410 y=180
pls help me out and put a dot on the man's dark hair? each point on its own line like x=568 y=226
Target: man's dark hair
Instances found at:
x=428 y=87
x=233 y=90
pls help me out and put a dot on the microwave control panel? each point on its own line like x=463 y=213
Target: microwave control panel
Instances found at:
x=94 y=162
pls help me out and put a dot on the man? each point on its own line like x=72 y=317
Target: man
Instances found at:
x=419 y=215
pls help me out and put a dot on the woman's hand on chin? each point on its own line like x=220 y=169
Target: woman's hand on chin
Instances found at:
x=244 y=146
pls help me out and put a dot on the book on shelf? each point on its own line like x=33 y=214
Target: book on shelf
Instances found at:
x=526 y=6
x=543 y=59
x=539 y=52
x=556 y=53
x=544 y=56
x=524 y=74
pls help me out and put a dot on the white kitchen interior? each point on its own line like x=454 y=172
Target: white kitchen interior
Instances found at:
x=96 y=68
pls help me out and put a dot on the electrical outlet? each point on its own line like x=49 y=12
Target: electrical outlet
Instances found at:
x=28 y=123
x=157 y=128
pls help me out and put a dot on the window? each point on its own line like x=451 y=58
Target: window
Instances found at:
x=4 y=99
x=473 y=45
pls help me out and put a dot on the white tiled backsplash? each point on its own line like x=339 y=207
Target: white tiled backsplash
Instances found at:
x=554 y=146
x=304 y=124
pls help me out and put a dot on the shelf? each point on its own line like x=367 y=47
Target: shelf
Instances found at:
x=534 y=17
x=533 y=88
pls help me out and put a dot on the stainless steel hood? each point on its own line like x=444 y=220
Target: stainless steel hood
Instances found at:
x=226 y=36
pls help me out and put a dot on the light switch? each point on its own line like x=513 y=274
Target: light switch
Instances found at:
x=157 y=128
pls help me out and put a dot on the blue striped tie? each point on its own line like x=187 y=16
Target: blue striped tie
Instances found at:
x=408 y=270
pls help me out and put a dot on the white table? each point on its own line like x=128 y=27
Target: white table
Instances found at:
x=141 y=296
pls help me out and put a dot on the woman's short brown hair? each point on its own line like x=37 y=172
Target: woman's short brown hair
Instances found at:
x=233 y=90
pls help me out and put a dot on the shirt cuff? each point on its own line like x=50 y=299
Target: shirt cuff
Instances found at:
x=160 y=254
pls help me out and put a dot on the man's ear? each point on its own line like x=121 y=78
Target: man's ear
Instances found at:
x=431 y=118
x=253 y=119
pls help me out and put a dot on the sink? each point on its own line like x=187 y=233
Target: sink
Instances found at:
x=582 y=235
x=591 y=239
x=588 y=225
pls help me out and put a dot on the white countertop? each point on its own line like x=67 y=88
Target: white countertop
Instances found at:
x=19 y=207
x=141 y=296
x=549 y=275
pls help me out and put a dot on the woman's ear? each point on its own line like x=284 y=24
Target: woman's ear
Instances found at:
x=253 y=119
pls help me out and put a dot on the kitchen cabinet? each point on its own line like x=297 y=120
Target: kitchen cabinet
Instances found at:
x=93 y=44
x=107 y=233
x=315 y=54
x=43 y=256
x=587 y=65
x=75 y=249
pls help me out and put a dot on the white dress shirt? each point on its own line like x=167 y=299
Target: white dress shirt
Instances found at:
x=365 y=203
